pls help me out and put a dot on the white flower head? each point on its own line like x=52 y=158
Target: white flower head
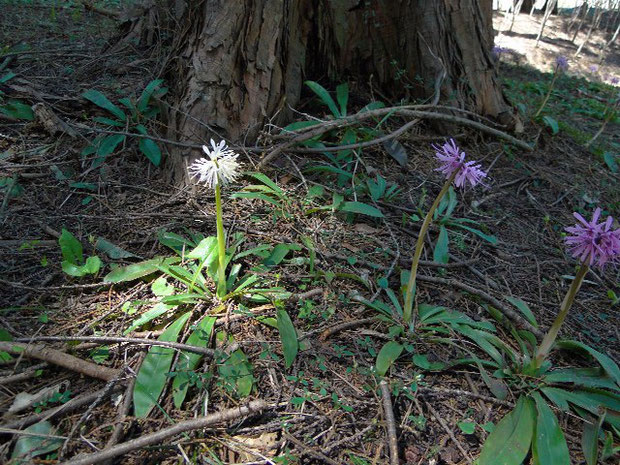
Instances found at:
x=220 y=168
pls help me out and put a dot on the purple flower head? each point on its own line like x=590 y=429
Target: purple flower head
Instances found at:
x=614 y=80
x=594 y=243
x=593 y=68
x=452 y=160
x=561 y=63
x=498 y=50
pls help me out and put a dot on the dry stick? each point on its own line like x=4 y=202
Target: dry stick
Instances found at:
x=123 y=340
x=307 y=450
x=505 y=309
x=72 y=405
x=450 y=432
x=157 y=437
x=390 y=422
x=59 y=358
x=123 y=410
x=344 y=326
x=302 y=136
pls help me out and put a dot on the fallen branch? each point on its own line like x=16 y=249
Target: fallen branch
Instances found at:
x=56 y=357
x=102 y=11
x=412 y=111
x=122 y=340
x=157 y=437
x=390 y=422
x=69 y=407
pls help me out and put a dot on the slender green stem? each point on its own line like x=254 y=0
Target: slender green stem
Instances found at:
x=555 y=76
x=419 y=246
x=221 y=243
x=545 y=346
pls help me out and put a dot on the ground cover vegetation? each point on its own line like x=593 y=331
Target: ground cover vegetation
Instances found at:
x=440 y=296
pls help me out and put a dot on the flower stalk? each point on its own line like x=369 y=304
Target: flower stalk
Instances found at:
x=419 y=246
x=547 y=343
x=216 y=171
x=561 y=64
x=221 y=243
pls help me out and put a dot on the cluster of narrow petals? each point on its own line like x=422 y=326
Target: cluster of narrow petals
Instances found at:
x=220 y=168
x=452 y=160
x=593 y=242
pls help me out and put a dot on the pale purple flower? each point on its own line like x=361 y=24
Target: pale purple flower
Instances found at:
x=593 y=68
x=498 y=50
x=561 y=63
x=452 y=160
x=594 y=243
x=614 y=80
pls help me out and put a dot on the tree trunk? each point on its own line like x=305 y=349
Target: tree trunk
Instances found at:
x=550 y=6
x=241 y=64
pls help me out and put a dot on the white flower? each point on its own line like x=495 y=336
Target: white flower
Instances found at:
x=220 y=168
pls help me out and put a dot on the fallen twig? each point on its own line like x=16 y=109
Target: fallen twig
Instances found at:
x=59 y=358
x=450 y=433
x=390 y=422
x=72 y=405
x=250 y=408
x=123 y=340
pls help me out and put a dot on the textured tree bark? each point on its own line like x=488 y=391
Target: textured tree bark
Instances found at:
x=241 y=64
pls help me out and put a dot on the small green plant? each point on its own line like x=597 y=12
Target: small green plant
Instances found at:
x=14 y=108
x=138 y=113
x=73 y=262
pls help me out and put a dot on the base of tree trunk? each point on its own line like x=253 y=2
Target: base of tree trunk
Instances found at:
x=239 y=65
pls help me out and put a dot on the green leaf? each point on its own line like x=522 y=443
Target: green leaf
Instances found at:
x=237 y=370
x=279 y=252
x=549 y=445
x=108 y=146
x=523 y=308
x=607 y=363
x=92 y=265
x=487 y=237
x=327 y=99
x=109 y=121
x=387 y=356
x=151 y=378
x=17 y=110
x=204 y=250
x=467 y=427
x=586 y=377
x=161 y=288
x=256 y=195
x=268 y=182
x=361 y=208
x=34 y=444
x=138 y=270
x=589 y=438
x=112 y=250
x=151 y=150
x=143 y=101
x=102 y=101
x=188 y=361
x=552 y=124
x=610 y=160
x=70 y=248
x=422 y=361
x=288 y=336
x=510 y=440
x=158 y=310
x=441 y=253
x=342 y=95
x=299 y=125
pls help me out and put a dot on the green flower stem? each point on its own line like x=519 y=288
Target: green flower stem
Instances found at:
x=555 y=76
x=221 y=243
x=419 y=246
x=545 y=346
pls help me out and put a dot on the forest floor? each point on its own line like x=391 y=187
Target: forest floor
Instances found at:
x=327 y=406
